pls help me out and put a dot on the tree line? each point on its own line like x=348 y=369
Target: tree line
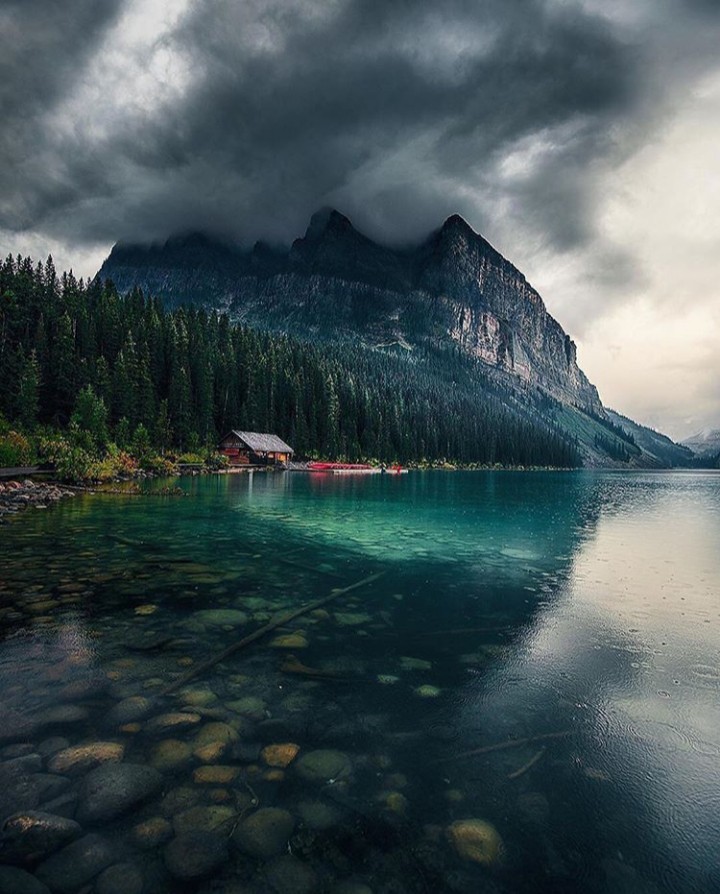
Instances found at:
x=70 y=349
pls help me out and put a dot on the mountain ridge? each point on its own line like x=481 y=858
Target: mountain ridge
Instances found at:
x=451 y=292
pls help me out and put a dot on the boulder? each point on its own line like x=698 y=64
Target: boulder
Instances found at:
x=17 y=881
x=129 y=710
x=80 y=758
x=195 y=855
x=323 y=765
x=476 y=840
x=120 y=878
x=111 y=789
x=32 y=835
x=264 y=833
x=288 y=875
x=77 y=864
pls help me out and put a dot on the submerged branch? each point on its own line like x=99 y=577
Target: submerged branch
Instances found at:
x=280 y=621
x=525 y=767
x=502 y=746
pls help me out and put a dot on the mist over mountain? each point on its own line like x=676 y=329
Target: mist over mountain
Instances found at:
x=452 y=294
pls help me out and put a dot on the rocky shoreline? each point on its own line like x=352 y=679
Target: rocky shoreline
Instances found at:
x=18 y=495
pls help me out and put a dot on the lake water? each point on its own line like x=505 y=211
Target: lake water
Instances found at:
x=569 y=618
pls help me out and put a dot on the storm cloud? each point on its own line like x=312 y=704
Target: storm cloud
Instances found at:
x=129 y=120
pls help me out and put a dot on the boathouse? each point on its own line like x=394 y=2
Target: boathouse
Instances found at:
x=254 y=448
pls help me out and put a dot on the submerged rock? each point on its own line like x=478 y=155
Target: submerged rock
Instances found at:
x=210 y=819
x=289 y=641
x=195 y=855
x=317 y=815
x=280 y=754
x=476 y=840
x=121 y=878
x=62 y=715
x=427 y=691
x=111 y=789
x=81 y=758
x=152 y=832
x=352 y=619
x=17 y=881
x=410 y=664
x=165 y=724
x=264 y=833
x=215 y=774
x=77 y=864
x=136 y=707
x=250 y=706
x=31 y=836
x=170 y=754
x=221 y=617
x=323 y=766
x=288 y=875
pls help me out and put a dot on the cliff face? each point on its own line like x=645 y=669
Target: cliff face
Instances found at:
x=336 y=284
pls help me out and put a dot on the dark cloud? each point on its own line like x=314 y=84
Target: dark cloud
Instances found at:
x=399 y=112
x=45 y=45
x=391 y=109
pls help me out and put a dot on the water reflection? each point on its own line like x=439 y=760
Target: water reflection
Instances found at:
x=578 y=606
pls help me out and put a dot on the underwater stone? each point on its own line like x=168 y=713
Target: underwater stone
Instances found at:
x=62 y=714
x=323 y=765
x=317 y=815
x=215 y=733
x=410 y=664
x=17 y=881
x=264 y=833
x=197 y=697
x=280 y=754
x=288 y=875
x=352 y=619
x=33 y=835
x=351 y=888
x=111 y=789
x=81 y=758
x=152 y=832
x=65 y=805
x=50 y=786
x=51 y=746
x=76 y=864
x=121 y=878
x=214 y=818
x=195 y=854
x=250 y=706
x=170 y=754
x=178 y=799
x=476 y=840
x=289 y=641
x=171 y=723
x=427 y=691
x=221 y=616
x=136 y=707
x=215 y=775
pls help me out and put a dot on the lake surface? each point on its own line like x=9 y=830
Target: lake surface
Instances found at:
x=570 y=618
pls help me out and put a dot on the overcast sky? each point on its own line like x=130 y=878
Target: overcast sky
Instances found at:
x=581 y=137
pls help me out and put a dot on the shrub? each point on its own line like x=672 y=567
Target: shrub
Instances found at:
x=15 y=449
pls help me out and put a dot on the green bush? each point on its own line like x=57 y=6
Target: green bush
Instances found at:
x=15 y=449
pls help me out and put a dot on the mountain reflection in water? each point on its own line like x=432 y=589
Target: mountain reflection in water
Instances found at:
x=576 y=611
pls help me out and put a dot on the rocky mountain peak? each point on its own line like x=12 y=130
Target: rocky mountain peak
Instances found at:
x=327 y=221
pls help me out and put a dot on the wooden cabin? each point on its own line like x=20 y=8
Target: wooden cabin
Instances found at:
x=243 y=448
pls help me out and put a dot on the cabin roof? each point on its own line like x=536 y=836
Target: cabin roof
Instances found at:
x=260 y=442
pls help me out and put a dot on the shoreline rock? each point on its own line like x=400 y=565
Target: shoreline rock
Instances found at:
x=16 y=496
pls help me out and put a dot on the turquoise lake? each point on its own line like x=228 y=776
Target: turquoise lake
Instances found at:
x=540 y=653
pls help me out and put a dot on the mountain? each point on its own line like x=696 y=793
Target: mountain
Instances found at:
x=658 y=446
x=704 y=443
x=452 y=296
